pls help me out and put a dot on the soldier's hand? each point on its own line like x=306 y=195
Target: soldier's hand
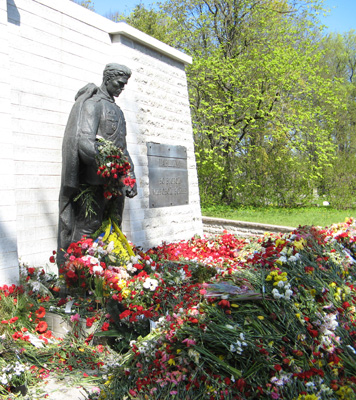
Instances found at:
x=131 y=191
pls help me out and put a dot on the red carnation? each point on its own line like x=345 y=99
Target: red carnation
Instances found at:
x=224 y=303
x=345 y=305
x=17 y=335
x=105 y=326
x=125 y=314
x=41 y=327
x=71 y=274
x=41 y=312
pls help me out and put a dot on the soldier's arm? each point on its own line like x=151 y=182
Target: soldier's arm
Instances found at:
x=89 y=124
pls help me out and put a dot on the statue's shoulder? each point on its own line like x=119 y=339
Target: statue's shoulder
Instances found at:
x=95 y=99
x=86 y=92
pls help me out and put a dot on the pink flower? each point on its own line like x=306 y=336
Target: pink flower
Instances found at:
x=189 y=342
x=75 y=317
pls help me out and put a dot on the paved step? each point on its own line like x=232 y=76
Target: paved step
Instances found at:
x=213 y=226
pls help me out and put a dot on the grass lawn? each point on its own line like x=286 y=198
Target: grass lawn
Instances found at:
x=319 y=216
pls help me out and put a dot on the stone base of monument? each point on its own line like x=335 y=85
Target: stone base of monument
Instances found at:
x=61 y=326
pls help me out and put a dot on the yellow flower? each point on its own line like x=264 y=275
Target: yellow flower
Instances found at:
x=299 y=245
x=347 y=290
x=81 y=349
x=312 y=292
x=332 y=284
x=268 y=278
x=346 y=393
x=311 y=397
x=121 y=283
x=179 y=351
x=171 y=362
x=261 y=317
x=234 y=305
x=125 y=292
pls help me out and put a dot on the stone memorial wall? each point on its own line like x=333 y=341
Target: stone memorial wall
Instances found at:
x=49 y=50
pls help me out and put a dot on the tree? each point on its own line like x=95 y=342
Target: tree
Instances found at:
x=85 y=3
x=155 y=23
x=263 y=106
x=340 y=58
x=257 y=98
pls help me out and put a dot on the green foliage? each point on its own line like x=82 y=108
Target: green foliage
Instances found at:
x=85 y=3
x=340 y=57
x=318 y=216
x=272 y=98
x=155 y=23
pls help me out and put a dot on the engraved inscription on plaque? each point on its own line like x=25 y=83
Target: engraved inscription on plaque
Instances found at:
x=168 y=175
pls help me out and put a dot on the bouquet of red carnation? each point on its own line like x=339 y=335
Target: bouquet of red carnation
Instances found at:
x=114 y=167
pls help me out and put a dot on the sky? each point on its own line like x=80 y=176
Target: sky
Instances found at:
x=342 y=16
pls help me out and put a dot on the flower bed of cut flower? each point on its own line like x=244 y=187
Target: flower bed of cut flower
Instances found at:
x=201 y=319
x=275 y=319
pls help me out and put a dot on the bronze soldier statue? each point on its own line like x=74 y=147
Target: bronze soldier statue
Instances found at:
x=94 y=115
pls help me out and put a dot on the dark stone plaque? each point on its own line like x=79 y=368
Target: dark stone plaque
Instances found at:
x=168 y=175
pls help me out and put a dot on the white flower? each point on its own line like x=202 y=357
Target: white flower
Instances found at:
x=131 y=268
x=97 y=268
x=288 y=294
x=280 y=284
x=134 y=259
x=36 y=286
x=3 y=379
x=276 y=294
x=150 y=284
x=91 y=259
x=110 y=247
x=101 y=250
x=194 y=354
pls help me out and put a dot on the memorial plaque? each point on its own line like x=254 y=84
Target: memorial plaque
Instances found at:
x=168 y=175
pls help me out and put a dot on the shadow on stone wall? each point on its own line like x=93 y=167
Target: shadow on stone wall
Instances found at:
x=9 y=272
x=13 y=15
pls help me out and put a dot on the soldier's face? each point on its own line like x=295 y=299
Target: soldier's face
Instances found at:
x=115 y=86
